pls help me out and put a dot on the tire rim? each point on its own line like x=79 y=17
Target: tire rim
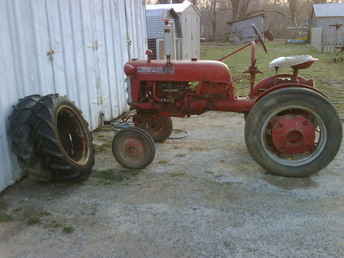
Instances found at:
x=131 y=149
x=73 y=136
x=294 y=160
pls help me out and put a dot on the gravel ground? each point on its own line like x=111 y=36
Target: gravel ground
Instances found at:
x=202 y=197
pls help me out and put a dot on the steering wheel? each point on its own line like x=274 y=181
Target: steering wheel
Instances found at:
x=260 y=38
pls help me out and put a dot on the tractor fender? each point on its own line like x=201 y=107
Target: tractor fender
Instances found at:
x=277 y=80
x=290 y=86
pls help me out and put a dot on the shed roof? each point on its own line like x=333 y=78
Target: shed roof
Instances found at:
x=160 y=12
x=329 y=10
x=178 y=8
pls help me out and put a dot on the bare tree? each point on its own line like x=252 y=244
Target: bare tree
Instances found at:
x=235 y=8
x=293 y=10
x=320 y=1
x=213 y=17
x=240 y=8
x=209 y=9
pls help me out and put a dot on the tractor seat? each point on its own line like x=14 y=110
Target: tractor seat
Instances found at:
x=295 y=62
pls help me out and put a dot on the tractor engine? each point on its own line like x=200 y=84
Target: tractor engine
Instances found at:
x=171 y=92
x=178 y=88
x=175 y=97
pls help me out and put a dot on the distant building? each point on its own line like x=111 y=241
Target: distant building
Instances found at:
x=186 y=18
x=241 y=30
x=327 y=26
x=155 y=23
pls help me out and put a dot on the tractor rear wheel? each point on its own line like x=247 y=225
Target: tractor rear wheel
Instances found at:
x=159 y=127
x=293 y=132
x=62 y=139
x=133 y=148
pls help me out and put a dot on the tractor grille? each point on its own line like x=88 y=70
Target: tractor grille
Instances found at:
x=152 y=46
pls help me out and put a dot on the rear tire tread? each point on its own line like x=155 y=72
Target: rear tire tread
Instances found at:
x=49 y=145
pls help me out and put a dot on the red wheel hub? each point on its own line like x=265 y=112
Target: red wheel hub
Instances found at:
x=133 y=148
x=293 y=134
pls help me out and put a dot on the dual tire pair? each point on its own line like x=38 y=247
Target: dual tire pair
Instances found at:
x=51 y=139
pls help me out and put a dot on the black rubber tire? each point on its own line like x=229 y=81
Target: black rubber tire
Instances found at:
x=21 y=126
x=60 y=131
x=289 y=97
x=163 y=132
x=141 y=135
x=166 y=131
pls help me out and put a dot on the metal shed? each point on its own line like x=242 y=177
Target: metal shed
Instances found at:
x=155 y=20
x=187 y=26
x=327 y=23
x=241 y=30
x=71 y=47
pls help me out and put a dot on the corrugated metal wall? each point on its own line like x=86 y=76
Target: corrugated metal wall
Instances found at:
x=71 y=47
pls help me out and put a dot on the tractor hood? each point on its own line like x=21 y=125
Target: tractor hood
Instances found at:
x=213 y=71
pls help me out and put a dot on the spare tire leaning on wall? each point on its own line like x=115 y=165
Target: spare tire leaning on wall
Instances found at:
x=20 y=129
x=60 y=140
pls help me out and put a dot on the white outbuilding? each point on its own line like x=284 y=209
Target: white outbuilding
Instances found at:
x=186 y=19
x=327 y=26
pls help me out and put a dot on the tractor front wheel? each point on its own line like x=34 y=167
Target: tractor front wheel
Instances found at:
x=159 y=127
x=293 y=132
x=133 y=148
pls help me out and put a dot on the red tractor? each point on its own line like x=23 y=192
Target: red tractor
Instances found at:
x=291 y=128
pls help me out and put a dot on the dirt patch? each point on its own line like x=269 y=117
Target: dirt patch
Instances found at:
x=203 y=196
